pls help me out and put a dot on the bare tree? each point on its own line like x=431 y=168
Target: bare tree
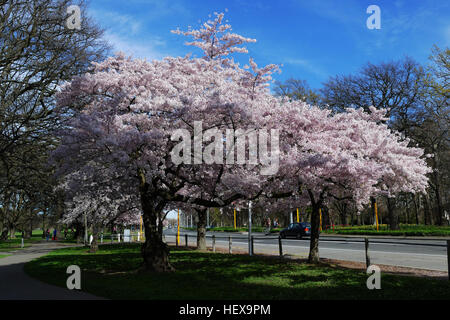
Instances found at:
x=37 y=53
x=296 y=89
x=395 y=86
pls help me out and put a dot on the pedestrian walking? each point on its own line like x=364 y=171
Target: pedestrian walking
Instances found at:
x=54 y=234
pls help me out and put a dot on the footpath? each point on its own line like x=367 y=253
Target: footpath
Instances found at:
x=15 y=284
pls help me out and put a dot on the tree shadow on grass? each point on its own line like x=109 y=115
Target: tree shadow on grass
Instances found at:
x=202 y=275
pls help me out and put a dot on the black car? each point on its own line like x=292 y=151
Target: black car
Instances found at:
x=296 y=230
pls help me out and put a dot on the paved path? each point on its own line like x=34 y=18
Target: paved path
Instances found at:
x=15 y=284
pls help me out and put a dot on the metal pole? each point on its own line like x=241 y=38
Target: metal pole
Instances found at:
x=207 y=218
x=280 y=246
x=366 y=241
x=230 y=249
x=178 y=227
x=214 y=243
x=140 y=228
x=252 y=245
x=448 y=258
x=85 y=229
x=234 y=219
x=291 y=218
x=250 y=251
x=186 y=239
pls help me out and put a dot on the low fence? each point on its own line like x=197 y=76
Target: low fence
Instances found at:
x=120 y=237
x=137 y=237
x=278 y=240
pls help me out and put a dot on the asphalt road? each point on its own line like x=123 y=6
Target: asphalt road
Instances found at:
x=430 y=254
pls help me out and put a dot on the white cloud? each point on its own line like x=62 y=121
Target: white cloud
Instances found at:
x=447 y=35
x=147 y=49
x=307 y=65
x=123 y=22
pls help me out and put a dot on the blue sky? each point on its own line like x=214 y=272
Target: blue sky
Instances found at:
x=312 y=39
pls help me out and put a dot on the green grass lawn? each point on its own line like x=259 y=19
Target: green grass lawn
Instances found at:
x=16 y=243
x=405 y=230
x=111 y=273
x=4 y=255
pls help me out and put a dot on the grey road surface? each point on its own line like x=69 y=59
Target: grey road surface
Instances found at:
x=430 y=254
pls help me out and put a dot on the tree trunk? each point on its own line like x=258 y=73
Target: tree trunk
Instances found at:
x=314 y=240
x=393 y=218
x=27 y=233
x=426 y=210
x=439 y=211
x=12 y=232
x=416 y=209
x=201 y=229
x=343 y=213
x=4 y=235
x=94 y=244
x=407 y=210
x=154 y=251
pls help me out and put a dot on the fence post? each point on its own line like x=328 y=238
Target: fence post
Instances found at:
x=22 y=245
x=448 y=258
x=230 y=242
x=214 y=242
x=101 y=238
x=366 y=241
x=280 y=246
x=251 y=246
x=186 y=240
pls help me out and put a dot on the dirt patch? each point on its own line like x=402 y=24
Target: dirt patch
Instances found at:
x=404 y=271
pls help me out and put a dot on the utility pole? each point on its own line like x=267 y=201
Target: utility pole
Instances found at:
x=178 y=226
x=85 y=229
x=250 y=251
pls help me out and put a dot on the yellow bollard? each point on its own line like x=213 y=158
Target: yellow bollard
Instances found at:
x=234 y=219
x=298 y=219
x=320 y=215
x=376 y=213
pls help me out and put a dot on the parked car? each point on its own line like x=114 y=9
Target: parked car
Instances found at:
x=296 y=230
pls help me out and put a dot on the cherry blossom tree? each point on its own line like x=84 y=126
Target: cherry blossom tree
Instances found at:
x=129 y=109
x=92 y=196
x=348 y=156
